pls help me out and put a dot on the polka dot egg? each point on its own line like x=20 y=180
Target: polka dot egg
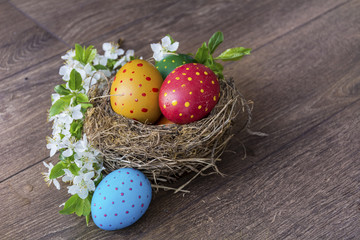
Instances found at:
x=189 y=93
x=169 y=63
x=135 y=91
x=120 y=199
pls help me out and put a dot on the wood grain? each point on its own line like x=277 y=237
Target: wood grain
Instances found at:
x=299 y=183
x=23 y=43
x=47 y=73
x=247 y=24
x=279 y=199
x=25 y=99
x=82 y=21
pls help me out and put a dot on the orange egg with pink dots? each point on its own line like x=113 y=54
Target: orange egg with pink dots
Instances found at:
x=189 y=93
x=135 y=90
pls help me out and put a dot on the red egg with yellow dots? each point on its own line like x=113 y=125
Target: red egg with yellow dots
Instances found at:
x=135 y=91
x=189 y=93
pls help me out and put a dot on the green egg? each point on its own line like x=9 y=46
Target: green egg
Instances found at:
x=169 y=63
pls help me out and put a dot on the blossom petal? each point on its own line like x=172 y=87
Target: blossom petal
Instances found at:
x=156 y=47
x=107 y=73
x=82 y=73
x=88 y=69
x=63 y=70
x=77 y=179
x=77 y=115
x=73 y=189
x=56 y=184
x=68 y=152
x=103 y=61
x=83 y=193
x=119 y=51
x=111 y=55
x=129 y=53
x=106 y=46
x=46 y=165
x=173 y=47
x=91 y=185
x=166 y=42
x=55 y=97
x=53 y=151
x=120 y=62
x=88 y=176
x=158 y=56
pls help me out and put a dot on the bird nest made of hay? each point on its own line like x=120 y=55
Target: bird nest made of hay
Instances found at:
x=163 y=152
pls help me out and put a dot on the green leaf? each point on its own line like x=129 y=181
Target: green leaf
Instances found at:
x=61 y=157
x=171 y=39
x=70 y=205
x=90 y=54
x=57 y=170
x=100 y=67
x=87 y=205
x=86 y=105
x=111 y=63
x=217 y=68
x=79 y=208
x=74 y=169
x=76 y=129
x=59 y=106
x=234 y=54
x=75 y=80
x=79 y=52
x=215 y=40
x=60 y=89
x=87 y=217
x=202 y=54
x=82 y=98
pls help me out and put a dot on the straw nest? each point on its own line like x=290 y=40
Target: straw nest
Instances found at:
x=164 y=152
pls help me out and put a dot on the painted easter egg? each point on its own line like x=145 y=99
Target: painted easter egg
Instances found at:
x=169 y=63
x=189 y=93
x=120 y=199
x=163 y=121
x=135 y=91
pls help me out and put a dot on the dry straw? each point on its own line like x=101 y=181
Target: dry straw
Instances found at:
x=164 y=152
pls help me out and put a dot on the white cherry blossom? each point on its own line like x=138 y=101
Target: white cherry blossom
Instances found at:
x=68 y=177
x=100 y=60
x=69 y=55
x=53 y=144
x=47 y=176
x=112 y=51
x=163 y=49
x=82 y=184
x=75 y=112
x=66 y=69
x=124 y=59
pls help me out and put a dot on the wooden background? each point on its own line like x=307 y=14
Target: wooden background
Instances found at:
x=301 y=182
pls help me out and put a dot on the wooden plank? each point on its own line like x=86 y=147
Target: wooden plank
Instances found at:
x=308 y=190
x=250 y=24
x=81 y=21
x=25 y=99
x=311 y=111
x=301 y=192
x=30 y=117
x=23 y=43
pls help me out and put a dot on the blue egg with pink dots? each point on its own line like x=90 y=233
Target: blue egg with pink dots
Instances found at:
x=120 y=199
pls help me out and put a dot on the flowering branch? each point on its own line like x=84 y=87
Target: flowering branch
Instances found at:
x=80 y=164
